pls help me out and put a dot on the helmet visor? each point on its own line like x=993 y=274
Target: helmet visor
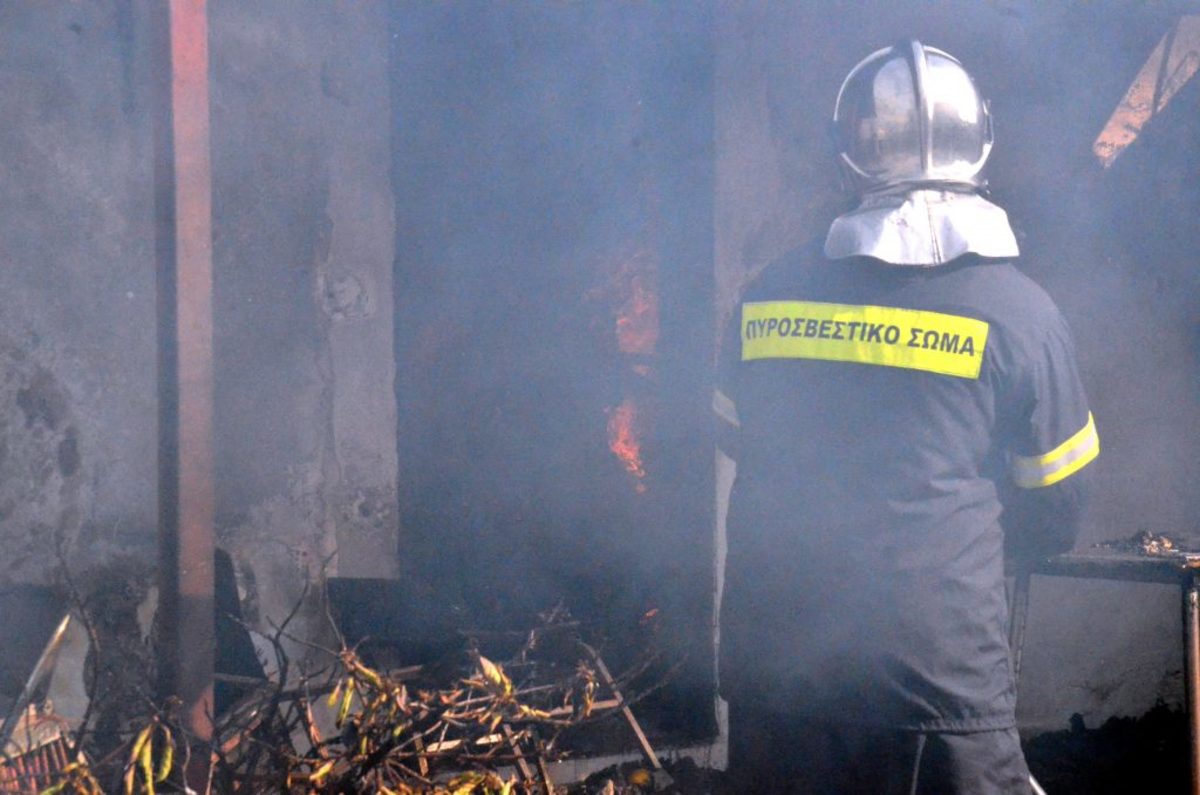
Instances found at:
x=877 y=121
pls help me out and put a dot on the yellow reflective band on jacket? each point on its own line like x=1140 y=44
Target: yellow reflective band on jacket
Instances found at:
x=910 y=338
x=1032 y=472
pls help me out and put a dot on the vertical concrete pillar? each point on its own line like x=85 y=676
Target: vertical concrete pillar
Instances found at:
x=355 y=293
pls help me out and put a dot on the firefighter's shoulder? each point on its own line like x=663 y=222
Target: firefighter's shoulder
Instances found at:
x=1009 y=291
x=785 y=275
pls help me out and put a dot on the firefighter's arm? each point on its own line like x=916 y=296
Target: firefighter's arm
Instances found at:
x=1045 y=521
x=1055 y=442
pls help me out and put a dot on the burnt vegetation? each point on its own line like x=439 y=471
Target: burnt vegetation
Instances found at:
x=466 y=723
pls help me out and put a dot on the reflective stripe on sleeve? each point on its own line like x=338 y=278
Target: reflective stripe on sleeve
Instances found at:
x=724 y=407
x=1031 y=472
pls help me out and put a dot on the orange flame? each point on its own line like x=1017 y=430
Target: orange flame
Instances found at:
x=631 y=292
x=623 y=440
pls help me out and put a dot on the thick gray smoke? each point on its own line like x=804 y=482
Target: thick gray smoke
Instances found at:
x=553 y=166
x=530 y=218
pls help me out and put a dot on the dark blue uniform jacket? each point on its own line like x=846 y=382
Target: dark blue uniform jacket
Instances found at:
x=879 y=415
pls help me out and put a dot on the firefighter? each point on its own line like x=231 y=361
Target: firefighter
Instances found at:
x=890 y=399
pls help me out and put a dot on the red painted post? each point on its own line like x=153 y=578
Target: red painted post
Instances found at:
x=183 y=199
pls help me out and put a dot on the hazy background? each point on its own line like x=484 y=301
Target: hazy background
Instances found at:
x=454 y=243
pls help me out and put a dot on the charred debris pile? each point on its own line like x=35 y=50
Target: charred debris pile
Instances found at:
x=490 y=712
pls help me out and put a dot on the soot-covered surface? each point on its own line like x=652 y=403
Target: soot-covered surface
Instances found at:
x=1123 y=755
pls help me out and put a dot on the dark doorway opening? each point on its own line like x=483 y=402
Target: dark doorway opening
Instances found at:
x=554 y=295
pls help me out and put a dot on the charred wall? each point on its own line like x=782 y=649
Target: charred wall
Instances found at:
x=76 y=272
x=303 y=243
x=548 y=175
x=1115 y=248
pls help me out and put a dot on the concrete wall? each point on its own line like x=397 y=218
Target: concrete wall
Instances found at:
x=77 y=405
x=303 y=238
x=305 y=413
x=1114 y=248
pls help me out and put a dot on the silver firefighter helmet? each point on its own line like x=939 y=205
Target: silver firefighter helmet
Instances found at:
x=911 y=116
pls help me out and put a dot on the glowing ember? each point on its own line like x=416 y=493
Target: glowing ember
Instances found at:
x=637 y=318
x=623 y=439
